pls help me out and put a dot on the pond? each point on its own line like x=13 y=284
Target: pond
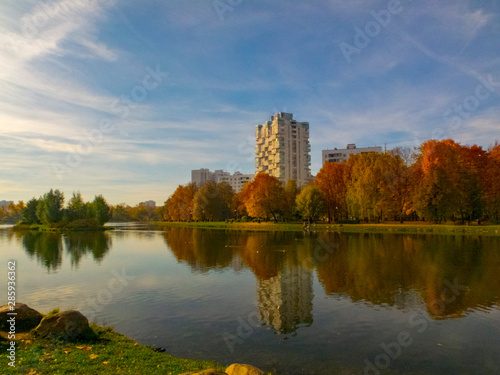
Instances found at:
x=294 y=303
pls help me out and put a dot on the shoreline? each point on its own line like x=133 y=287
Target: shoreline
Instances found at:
x=109 y=354
x=416 y=228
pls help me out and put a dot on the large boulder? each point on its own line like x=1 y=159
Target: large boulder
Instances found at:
x=26 y=318
x=211 y=371
x=68 y=325
x=238 y=369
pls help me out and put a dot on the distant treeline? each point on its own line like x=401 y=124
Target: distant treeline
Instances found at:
x=440 y=181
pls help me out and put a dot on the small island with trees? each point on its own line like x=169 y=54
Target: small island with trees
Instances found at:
x=48 y=213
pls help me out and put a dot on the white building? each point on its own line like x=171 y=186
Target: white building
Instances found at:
x=341 y=155
x=282 y=149
x=236 y=180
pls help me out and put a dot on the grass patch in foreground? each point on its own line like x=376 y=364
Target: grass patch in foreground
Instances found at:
x=112 y=353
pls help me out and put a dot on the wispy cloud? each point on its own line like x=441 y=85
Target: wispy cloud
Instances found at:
x=64 y=63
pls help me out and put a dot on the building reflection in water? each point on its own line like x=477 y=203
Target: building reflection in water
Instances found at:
x=284 y=285
x=285 y=300
x=445 y=276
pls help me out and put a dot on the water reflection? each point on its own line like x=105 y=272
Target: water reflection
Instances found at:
x=47 y=248
x=78 y=244
x=450 y=274
x=445 y=275
x=284 y=290
x=202 y=250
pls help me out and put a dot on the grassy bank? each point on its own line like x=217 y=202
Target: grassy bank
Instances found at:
x=491 y=230
x=60 y=227
x=111 y=353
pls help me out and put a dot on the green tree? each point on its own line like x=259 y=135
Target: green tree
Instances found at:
x=213 y=202
x=77 y=209
x=120 y=213
x=310 y=203
x=29 y=213
x=291 y=192
x=50 y=207
x=100 y=210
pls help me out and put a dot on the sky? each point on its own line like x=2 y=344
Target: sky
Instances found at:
x=125 y=98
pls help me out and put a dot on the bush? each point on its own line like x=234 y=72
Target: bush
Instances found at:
x=84 y=224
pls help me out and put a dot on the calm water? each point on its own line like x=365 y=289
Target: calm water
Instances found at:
x=294 y=303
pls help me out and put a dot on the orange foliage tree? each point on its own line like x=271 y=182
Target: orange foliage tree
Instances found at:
x=491 y=183
x=180 y=204
x=331 y=182
x=264 y=197
x=451 y=183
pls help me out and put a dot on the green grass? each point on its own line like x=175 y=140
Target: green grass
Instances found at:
x=60 y=227
x=112 y=353
x=491 y=230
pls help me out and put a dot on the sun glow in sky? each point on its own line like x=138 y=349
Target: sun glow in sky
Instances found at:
x=125 y=98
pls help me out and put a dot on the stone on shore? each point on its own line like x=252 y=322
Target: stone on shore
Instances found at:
x=239 y=369
x=68 y=325
x=26 y=318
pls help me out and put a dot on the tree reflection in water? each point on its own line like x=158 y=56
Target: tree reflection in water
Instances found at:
x=401 y=271
x=47 y=247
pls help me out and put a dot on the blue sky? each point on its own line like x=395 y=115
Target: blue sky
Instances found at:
x=125 y=98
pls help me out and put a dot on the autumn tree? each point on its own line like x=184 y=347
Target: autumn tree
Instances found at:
x=450 y=186
x=331 y=182
x=310 y=203
x=15 y=211
x=180 y=204
x=491 y=183
x=363 y=186
x=394 y=185
x=264 y=197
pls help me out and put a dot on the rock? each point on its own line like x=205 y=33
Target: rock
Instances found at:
x=211 y=371
x=69 y=325
x=26 y=318
x=237 y=369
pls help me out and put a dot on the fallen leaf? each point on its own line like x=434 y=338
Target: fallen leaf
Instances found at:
x=105 y=362
x=93 y=356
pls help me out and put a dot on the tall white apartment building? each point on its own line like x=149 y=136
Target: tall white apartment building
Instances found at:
x=341 y=155
x=236 y=180
x=283 y=149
